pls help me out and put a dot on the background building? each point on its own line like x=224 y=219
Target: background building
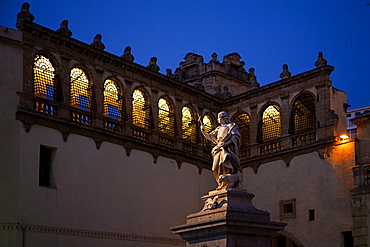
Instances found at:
x=100 y=151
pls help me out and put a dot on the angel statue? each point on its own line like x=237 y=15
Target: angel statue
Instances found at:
x=226 y=163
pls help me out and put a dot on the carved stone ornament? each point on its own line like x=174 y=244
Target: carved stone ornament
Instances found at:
x=127 y=54
x=64 y=29
x=285 y=73
x=24 y=15
x=153 y=64
x=210 y=203
x=97 y=43
x=320 y=61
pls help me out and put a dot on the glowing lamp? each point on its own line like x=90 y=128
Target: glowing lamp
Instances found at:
x=344 y=138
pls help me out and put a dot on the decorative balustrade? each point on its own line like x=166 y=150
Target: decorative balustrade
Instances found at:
x=45 y=107
x=303 y=139
x=166 y=142
x=112 y=126
x=141 y=134
x=270 y=147
x=80 y=117
x=244 y=153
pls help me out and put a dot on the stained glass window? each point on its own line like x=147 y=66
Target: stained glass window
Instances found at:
x=112 y=100
x=189 y=127
x=81 y=91
x=208 y=127
x=271 y=126
x=243 y=120
x=43 y=76
x=140 y=109
x=303 y=113
x=166 y=117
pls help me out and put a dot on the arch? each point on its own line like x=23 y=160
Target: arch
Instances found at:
x=112 y=100
x=209 y=125
x=141 y=110
x=303 y=114
x=166 y=117
x=81 y=90
x=243 y=122
x=44 y=85
x=189 y=124
x=269 y=126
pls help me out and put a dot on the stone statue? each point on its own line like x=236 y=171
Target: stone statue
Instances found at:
x=153 y=64
x=214 y=57
x=97 y=42
x=285 y=73
x=320 y=61
x=217 y=92
x=226 y=94
x=169 y=72
x=64 y=29
x=226 y=166
x=24 y=15
x=127 y=54
x=252 y=76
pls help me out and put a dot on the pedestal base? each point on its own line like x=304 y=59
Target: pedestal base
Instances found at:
x=231 y=220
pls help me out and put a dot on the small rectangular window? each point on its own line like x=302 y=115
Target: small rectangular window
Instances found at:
x=347 y=239
x=349 y=115
x=311 y=214
x=287 y=208
x=47 y=167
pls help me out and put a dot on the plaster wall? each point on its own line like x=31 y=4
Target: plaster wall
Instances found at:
x=315 y=183
x=104 y=190
x=11 y=72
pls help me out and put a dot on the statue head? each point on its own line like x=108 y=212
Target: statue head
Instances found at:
x=223 y=117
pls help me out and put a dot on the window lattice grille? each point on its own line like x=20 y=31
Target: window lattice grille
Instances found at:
x=303 y=114
x=189 y=131
x=81 y=91
x=208 y=127
x=43 y=76
x=112 y=100
x=140 y=110
x=271 y=126
x=243 y=121
x=166 y=117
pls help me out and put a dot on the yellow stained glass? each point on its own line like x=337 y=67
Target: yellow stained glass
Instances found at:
x=189 y=130
x=112 y=105
x=166 y=120
x=43 y=76
x=80 y=90
x=208 y=127
x=304 y=113
x=140 y=110
x=271 y=126
x=243 y=120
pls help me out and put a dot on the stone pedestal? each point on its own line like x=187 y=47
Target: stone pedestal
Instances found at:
x=230 y=220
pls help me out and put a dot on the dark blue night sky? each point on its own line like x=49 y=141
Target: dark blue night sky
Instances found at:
x=266 y=33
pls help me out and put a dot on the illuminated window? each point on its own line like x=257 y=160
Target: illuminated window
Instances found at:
x=303 y=114
x=189 y=127
x=43 y=76
x=243 y=120
x=112 y=100
x=140 y=109
x=166 y=117
x=271 y=127
x=81 y=91
x=208 y=127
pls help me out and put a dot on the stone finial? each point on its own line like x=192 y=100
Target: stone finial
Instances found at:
x=153 y=64
x=320 y=61
x=127 y=54
x=252 y=76
x=285 y=73
x=64 y=29
x=169 y=72
x=214 y=57
x=24 y=15
x=97 y=42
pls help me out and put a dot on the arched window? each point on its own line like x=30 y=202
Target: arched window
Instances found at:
x=140 y=109
x=243 y=121
x=43 y=76
x=189 y=127
x=166 y=117
x=271 y=124
x=208 y=127
x=302 y=117
x=81 y=90
x=112 y=100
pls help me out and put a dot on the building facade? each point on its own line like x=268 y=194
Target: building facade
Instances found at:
x=98 y=150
